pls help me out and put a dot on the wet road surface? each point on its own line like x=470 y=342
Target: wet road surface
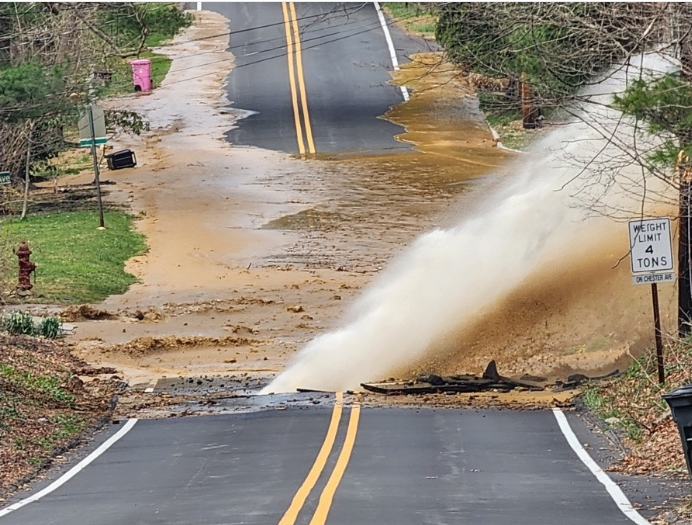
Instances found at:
x=382 y=466
x=312 y=77
x=406 y=465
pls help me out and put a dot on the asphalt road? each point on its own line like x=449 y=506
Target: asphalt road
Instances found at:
x=318 y=69
x=311 y=464
x=406 y=466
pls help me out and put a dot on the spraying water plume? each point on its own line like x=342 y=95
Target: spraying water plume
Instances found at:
x=449 y=277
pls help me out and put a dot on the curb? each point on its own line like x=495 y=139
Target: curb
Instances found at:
x=500 y=145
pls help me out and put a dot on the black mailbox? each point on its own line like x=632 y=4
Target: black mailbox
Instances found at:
x=122 y=159
x=680 y=402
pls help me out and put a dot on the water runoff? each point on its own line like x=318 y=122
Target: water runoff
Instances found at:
x=554 y=201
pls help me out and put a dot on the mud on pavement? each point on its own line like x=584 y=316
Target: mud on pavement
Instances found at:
x=253 y=252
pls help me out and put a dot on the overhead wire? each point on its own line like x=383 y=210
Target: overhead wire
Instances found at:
x=240 y=31
x=373 y=27
x=325 y=16
x=245 y=44
x=318 y=41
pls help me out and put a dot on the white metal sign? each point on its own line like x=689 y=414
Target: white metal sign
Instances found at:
x=651 y=251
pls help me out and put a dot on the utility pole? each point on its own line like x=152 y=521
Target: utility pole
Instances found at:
x=685 y=247
x=529 y=111
x=685 y=177
x=94 y=157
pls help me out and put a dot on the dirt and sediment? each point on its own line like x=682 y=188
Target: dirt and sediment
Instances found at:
x=252 y=252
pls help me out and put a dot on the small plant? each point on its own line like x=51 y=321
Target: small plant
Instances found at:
x=49 y=327
x=18 y=323
x=22 y=323
x=69 y=425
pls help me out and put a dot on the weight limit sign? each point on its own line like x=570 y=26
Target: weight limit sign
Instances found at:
x=651 y=251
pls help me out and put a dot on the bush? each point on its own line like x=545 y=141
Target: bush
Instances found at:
x=18 y=323
x=22 y=323
x=49 y=328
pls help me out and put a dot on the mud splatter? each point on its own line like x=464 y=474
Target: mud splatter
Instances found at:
x=157 y=345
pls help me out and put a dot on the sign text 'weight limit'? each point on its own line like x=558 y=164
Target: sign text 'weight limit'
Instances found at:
x=651 y=246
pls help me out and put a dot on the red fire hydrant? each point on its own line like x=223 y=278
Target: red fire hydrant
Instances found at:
x=26 y=267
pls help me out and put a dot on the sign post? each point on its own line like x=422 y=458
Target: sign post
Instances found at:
x=651 y=258
x=92 y=132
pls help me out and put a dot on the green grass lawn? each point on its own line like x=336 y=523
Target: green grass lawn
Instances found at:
x=160 y=65
x=413 y=16
x=76 y=262
x=121 y=81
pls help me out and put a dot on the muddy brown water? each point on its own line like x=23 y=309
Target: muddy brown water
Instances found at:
x=252 y=253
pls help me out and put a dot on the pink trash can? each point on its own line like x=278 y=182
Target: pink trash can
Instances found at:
x=141 y=74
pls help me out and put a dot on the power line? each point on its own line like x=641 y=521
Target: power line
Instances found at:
x=246 y=44
x=348 y=11
x=319 y=41
x=375 y=26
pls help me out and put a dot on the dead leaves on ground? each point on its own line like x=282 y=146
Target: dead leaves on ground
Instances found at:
x=44 y=404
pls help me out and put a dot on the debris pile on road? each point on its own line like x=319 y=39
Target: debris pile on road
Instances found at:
x=490 y=381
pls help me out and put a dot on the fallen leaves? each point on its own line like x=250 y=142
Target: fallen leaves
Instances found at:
x=633 y=405
x=45 y=405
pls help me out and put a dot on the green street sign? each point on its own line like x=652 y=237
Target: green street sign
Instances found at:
x=5 y=177
x=97 y=125
x=86 y=143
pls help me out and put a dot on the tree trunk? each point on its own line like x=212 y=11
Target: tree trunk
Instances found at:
x=684 y=237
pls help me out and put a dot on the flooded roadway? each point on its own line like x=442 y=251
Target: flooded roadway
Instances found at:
x=252 y=254
x=253 y=241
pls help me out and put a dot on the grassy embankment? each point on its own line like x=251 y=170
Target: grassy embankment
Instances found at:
x=165 y=20
x=44 y=406
x=630 y=398
x=632 y=406
x=121 y=80
x=413 y=17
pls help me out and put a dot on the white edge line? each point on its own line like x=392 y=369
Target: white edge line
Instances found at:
x=615 y=492
x=390 y=45
x=73 y=471
x=151 y=386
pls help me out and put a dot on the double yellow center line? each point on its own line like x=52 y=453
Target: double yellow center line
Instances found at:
x=325 y=502
x=299 y=97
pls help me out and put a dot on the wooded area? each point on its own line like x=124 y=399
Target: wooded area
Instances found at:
x=549 y=57
x=54 y=57
x=558 y=49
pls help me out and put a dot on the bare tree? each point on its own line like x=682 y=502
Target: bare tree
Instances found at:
x=566 y=53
